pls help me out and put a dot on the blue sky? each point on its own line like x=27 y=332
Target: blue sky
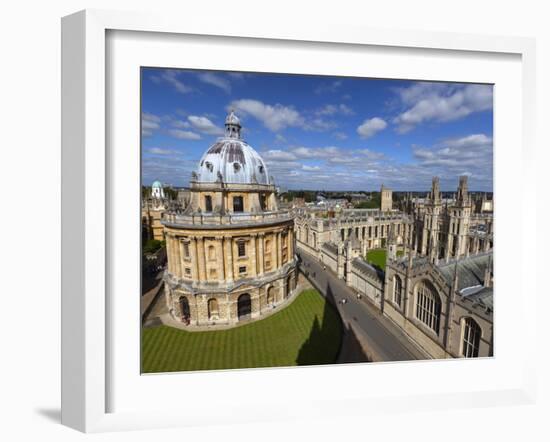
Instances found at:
x=326 y=133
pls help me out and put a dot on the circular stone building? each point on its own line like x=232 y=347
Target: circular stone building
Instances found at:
x=231 y=252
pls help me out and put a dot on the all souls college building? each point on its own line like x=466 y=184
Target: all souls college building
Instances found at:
x=438 y=282
x=231 y=251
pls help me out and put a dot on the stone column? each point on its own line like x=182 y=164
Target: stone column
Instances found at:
x=261 y=253
x=253 y=253
x=201 y=259
x=177 y=249
x=290 y=243
x=279 y=250
x=228 y=255
x=194 y=258
x=169 y=253
x=172 y=260
x=221 y=257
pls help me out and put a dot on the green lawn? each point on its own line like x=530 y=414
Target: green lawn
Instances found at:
x=306 y=332
x=377 y=257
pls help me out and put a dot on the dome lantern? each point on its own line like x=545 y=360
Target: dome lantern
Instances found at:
x=232 y=126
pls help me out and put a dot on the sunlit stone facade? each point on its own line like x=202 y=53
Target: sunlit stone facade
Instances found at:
x=231 y=251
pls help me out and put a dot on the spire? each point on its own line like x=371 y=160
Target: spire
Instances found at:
x=462 y=194
x=435 y=194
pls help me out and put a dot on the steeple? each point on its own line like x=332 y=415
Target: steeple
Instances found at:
x=435 y=194
x=462 y=194
x=232 y=126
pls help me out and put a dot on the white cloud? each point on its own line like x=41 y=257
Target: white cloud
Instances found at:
x=333 y=86
x=310 y=168
x=160 y=151
x=215 y=80
x=278 y=155
x=171 y=77
x=204 y=125
x=181 y=124
x=149 y=123
x=370 y=154
x=320 y=124
x=184 y=134
x=316 y=152
x=470 y=155
x=332 y=109
x=340 y=135
x=274 y=117
x=371 y=127
x=441 y=102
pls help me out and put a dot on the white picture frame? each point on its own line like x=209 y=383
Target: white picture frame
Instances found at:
x=87 y=210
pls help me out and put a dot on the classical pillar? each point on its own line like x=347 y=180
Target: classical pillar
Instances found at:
x=201 y=259
x=228 y=255
x=221 y=257
x=291 y=242
x=172 y=258
x=177 y=249
x=261 y=253
x=169 y=254
x=253 y=253
x=279 y=250
x=194 y=258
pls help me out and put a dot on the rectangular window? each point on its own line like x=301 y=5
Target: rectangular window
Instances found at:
x=242 y=270
x=186 y=249
x=263 y=201
x=187 y=272
x=241 y=246
x=208 y=203
x=238 y=205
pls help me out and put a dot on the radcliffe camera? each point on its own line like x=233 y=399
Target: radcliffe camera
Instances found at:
x=292 y=220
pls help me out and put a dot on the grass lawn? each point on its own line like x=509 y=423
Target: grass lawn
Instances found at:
x=306 y=332
x=377 y=257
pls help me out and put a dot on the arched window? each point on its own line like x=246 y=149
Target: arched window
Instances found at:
x=213 y=309
x=184 y=309
x=244 y=306
x=270 y=295
x=471 y=335
x=397 y=290
x=289 y=286
x=428 y=305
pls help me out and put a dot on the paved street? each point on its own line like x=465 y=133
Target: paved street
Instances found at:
x=383 y=338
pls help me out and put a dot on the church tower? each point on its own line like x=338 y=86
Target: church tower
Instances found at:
x=386 y=203
x=458 y=226
x=431 y=222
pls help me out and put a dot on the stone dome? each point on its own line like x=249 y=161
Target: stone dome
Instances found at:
x=231 y=160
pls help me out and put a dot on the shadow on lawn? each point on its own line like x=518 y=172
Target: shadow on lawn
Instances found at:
x=314 y=352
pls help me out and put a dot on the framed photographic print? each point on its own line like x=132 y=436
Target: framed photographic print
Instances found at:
x=281 y=220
